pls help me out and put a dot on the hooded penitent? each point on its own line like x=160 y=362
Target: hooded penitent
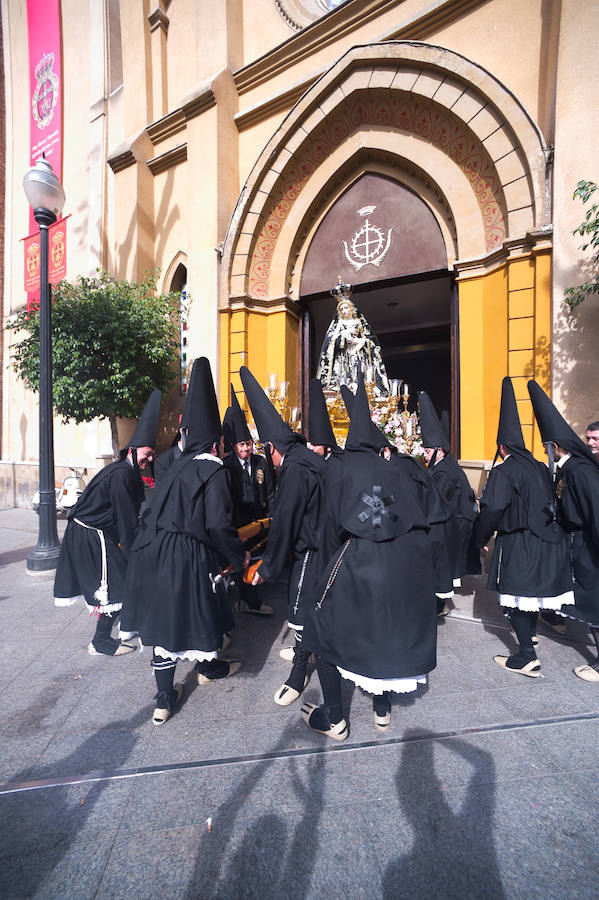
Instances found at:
x=509 y=430
x=348 y=398
x=553 y=426
x=228 y=429
x=239 y=427
x=200 y=413
x=363 y=434
x=320 y=430
x=431 y=430
x=269 y=423
x=147 y=425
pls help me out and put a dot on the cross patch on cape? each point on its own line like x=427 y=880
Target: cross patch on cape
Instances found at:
x=377 y=506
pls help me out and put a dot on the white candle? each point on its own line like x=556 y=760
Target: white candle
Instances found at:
x=272 y=382
x=409 y=428
x=283 y=388
x=406 y=389
x=394 y=387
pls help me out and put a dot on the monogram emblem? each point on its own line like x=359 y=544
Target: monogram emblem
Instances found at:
x=369 y=245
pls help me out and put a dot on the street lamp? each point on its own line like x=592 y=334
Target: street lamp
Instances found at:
x=46 y=197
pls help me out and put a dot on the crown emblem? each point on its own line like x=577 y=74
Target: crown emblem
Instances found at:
x=366 y=210
x=45 y=95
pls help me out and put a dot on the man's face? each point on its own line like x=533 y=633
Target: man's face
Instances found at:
x=319 y=449
x=593 y=441
x=275 y=455
x=243 y=449
x=428 y=453
x=145 y=456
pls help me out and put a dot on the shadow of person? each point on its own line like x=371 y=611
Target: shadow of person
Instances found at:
x=453 y=847
x=266 y=862
x=38 y=826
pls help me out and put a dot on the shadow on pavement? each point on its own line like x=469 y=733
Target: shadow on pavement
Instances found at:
x=453 y=853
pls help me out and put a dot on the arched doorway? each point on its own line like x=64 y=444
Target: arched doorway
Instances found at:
x=382 y=237
x=446 y=128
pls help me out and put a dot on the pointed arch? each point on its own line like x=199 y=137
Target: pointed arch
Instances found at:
x=429 y=109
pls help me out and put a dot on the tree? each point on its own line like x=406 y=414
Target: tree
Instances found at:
x=112 y=343
x=588 y=229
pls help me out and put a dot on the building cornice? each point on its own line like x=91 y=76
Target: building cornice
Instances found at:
x=279 y=102
x=168 y=160
x=166 y=127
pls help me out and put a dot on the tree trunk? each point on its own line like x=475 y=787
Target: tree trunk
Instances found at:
x=116 y=450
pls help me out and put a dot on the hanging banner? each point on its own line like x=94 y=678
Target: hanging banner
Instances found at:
x=57 y=251
x=45 y=82
x=32 y=263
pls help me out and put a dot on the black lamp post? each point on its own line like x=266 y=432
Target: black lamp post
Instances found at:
x=46 y=196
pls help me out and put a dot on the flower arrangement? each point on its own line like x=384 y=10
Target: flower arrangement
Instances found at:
x=400 y=429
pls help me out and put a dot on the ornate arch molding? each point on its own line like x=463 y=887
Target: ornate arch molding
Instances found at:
x=425 y=99
x=180 y=259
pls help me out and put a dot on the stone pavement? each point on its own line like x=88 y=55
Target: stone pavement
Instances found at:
x=485 y=786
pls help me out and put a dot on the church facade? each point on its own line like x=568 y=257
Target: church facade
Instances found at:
x=256 y=150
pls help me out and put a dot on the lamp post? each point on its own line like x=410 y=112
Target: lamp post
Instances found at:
x=46 y=197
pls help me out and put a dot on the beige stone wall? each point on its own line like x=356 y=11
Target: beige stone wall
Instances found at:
x=576 y=338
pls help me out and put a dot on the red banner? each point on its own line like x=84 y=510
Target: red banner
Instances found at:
x=57 y=251
x=45 y=82
x=32 y=264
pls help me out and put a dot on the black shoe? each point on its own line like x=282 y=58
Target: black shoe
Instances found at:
x=216 y=670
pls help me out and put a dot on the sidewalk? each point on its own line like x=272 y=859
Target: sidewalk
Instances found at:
x=485 y=787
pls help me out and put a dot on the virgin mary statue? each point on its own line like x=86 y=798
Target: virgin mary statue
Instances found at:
x=350 y=346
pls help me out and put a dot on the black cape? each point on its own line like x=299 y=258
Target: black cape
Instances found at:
x=171 y=599
x=111 y=503
x=295 y=528
x=373 y=610
x=530 y=558
x=454 y=487
x=163 y=462
x=577 y=491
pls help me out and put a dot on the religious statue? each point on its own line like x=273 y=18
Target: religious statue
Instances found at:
x=350 y=346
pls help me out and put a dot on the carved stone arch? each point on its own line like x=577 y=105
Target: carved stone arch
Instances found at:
x=416 y=101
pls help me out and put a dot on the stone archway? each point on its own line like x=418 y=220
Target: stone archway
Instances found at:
x=444 y=126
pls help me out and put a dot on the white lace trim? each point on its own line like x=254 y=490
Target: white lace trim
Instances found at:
x=534 y=604
x=295 y=627
x=378 y=685
x=194 y=655
x=104 y=607
x=446 y=596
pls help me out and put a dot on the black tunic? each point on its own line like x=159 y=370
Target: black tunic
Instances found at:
x=295 y=528
x=163 y=462
x=530 y=558
x=577 y=490
x=443 y=535
x=454 y=487
x=253 y=495
x=110 y=503
x=187 y=537
x=374 y=612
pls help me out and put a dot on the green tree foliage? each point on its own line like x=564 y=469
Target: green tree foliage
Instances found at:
x=589 y=230
x=112 y=343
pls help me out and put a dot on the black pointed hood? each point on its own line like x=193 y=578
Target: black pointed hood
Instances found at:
x=348 y=398
x=200 y=414
x=553 y=426
x=239 y=426
x=509 y=431
x=446 y=426
x=320 y=430
x=269 y=423
x=147 y=425
x=363 y=433
x=228 y=430
x=431 y=430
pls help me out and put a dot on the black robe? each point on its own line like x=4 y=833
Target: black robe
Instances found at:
x=163 y=462
x=295 y=528
x=530 y=558
x=110 y=503
x=185 y=540
x=443 y=535
x=451 y=482
x=373 y=610
x=253 y=495
x=577 y=490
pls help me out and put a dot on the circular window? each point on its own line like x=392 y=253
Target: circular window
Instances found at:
x=299 y=13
